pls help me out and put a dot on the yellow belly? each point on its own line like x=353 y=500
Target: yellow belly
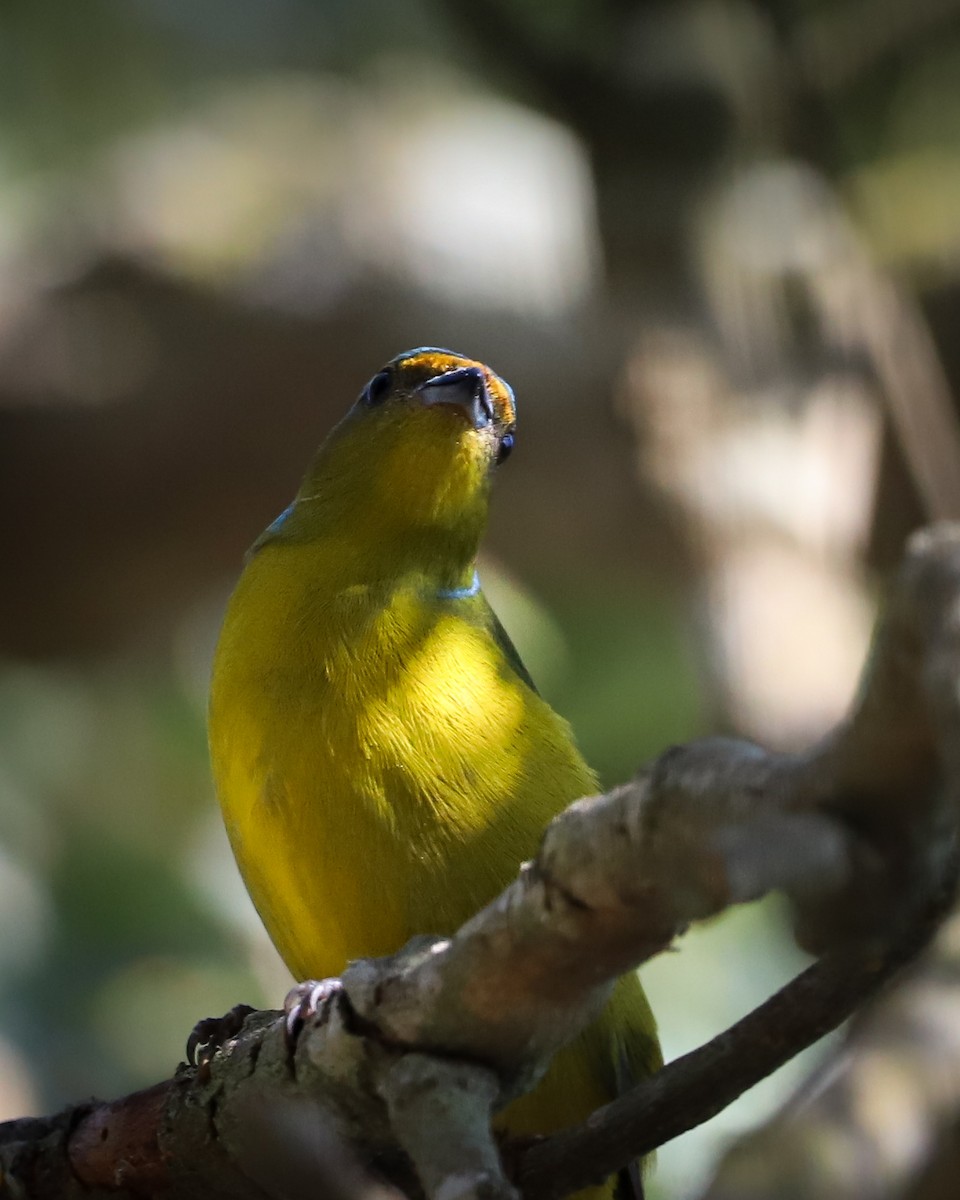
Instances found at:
x=382 y=774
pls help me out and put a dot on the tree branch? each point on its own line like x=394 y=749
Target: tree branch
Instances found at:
x=698 y=1085
x=406 y=1061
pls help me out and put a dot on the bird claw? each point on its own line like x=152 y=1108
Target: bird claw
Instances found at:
x=210 y=1034
x=305 y=1002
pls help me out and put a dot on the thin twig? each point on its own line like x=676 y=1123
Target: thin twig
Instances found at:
x=698 y=1085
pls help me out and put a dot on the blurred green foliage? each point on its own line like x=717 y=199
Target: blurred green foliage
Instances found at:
x=284 y=134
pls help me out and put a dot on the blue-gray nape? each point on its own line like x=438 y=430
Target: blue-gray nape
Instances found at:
x=463 y=593
x=275 y=525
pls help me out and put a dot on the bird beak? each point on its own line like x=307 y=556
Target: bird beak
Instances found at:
x=466 y=389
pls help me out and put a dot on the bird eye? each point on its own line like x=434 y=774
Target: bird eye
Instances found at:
x=506 y=445
x=376 y=390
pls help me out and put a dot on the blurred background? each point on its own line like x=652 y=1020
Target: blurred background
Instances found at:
x=714 y=245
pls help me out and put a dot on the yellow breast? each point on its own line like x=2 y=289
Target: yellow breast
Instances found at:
x=381 y=768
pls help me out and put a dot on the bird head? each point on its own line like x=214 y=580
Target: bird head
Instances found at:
x=417 y=449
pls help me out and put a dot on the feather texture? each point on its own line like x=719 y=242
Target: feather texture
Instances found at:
x=383 y=761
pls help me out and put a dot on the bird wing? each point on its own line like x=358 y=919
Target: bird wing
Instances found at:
x=510 y=652
x=636 y=1056
x=629 y=1185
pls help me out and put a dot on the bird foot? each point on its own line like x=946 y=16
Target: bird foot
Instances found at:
x=305 y=1002
x=210 y=1034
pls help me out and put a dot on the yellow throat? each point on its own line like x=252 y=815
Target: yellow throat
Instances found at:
x=382 y=759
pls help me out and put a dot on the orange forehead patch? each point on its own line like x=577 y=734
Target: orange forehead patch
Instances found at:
x=417 y=366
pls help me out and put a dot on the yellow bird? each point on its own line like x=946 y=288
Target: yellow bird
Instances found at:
x=383 y=760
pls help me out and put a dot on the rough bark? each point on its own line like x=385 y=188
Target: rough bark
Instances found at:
x=404 y=1064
